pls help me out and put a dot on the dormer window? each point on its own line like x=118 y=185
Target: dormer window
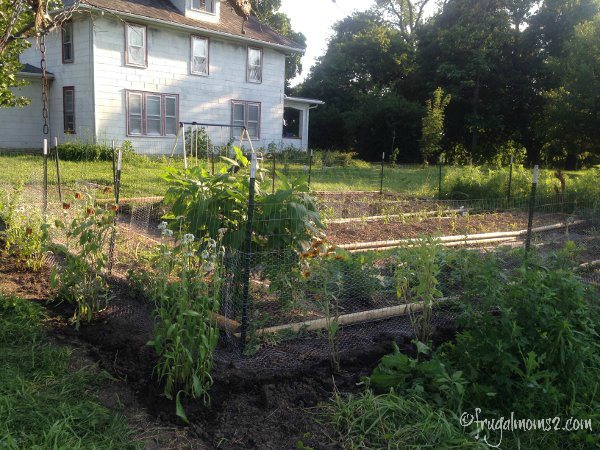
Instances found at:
x=203 y=5
x=254 y=71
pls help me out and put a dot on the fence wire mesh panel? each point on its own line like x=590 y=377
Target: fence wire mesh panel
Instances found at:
x=317 y=277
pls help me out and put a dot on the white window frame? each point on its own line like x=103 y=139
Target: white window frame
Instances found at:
x=144 y=113
x=144 y=46
x=209 y=6
x=250 y=67
x=246 y=105
x=193 y=56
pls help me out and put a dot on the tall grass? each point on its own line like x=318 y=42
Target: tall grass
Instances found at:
x=44 y=404
x=476 y=182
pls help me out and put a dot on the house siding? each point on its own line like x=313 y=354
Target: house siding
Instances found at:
x=21 y=128
x=201 y=98
x=77 y=74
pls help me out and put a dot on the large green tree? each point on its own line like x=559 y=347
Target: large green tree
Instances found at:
x=359 y=78
x=268 y=11
x=19 y=20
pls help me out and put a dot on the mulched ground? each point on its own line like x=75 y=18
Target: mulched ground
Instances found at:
x=347 y=233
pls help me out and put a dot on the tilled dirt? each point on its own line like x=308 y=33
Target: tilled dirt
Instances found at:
x=347 y=233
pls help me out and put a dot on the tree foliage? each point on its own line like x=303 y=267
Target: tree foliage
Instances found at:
x=268 y=12
x=433 y=124
x=19 y=20
x=520 y=72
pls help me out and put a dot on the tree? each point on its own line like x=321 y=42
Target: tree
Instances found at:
x=358 y=76
x=19 y=20
x=433 y=124
x=267 y=11
x=405 y=15
x=572 y=112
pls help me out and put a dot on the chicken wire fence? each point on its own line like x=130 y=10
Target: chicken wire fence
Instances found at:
x=304 y=305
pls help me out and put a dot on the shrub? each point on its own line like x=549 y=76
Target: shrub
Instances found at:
x=86 y=151
x=529 y=347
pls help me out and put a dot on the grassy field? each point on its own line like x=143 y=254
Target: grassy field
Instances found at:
x=44 y=403
x=142 y=177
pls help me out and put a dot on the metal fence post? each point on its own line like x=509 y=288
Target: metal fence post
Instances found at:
x=247 y=256
x=273 y=174
x=310 y=160
x=440 y=178
x=381 y=178
x=57 y=169
x=45 y=152
x=510 y=173
x=532 y=206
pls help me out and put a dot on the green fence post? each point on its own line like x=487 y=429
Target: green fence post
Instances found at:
x=532 y=206
x=510 y=173
x=247 y=256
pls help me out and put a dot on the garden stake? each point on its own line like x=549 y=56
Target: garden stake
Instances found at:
x=114 y=165
x=57 y=170
x=273 y=176
x=510 y=178
x=118 y=178
x=212 y=160
x=248 y=248
x=440 y=179
x=531 y=206
x=310 y=158
x=381 y=181
x=45 y=176
x=184 y=151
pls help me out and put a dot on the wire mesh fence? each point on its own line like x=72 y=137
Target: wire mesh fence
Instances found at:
x=304 y=291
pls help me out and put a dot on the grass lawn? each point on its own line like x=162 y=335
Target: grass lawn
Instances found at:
x=142 y=176
x=43 y=402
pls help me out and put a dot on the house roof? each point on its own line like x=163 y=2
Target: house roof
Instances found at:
x=230 y=22
x=30 y=70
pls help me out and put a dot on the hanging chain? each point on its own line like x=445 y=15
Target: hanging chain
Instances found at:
x=45 y=128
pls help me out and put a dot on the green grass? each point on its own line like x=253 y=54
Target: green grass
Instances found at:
x=44 y=404
x=141 y=176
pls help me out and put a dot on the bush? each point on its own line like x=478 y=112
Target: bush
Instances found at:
x=87 y=151
x=530 y=347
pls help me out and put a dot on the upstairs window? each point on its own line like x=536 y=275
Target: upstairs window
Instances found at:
x=69 y=109
x=67 y=42
x=204 y=5
x=136 y=45
x=150 y=114
x=254 y=72
x=245 y=114
x=200 y=63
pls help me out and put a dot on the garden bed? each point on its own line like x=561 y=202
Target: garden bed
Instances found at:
x=347 y=233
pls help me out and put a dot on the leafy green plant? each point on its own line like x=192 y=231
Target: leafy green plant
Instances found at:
x=185 y=287
x=530 y=346
x=80 y=280
x=206 y=205
x=416 y=278
x=26 y=233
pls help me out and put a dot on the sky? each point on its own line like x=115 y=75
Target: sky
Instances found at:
x=315 y=19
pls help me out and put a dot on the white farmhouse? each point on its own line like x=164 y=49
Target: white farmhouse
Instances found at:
x=134 y=69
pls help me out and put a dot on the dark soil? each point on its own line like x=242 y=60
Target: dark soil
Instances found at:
x=347 y=233
x=270 y=400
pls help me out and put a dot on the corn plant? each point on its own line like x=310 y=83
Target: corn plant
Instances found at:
x=416 y=281
x=325 y=281
x=185 y=286
x=80 y=280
